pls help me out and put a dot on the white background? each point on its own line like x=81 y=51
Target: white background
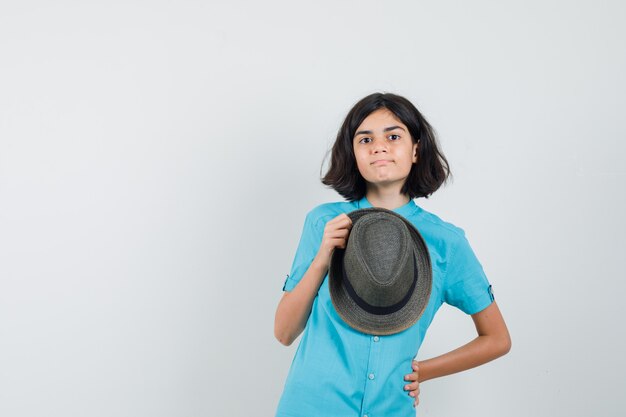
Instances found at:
x=157 y=160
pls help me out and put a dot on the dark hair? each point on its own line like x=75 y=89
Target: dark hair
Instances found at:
x=425 y=177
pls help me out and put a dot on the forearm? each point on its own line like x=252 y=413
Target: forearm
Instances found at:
x=294 y=308
x=481 y=350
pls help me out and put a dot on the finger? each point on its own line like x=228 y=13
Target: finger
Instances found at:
x=338 y=242
x=341 y=219
x=337 y=230
x=346 y=217
x=413 y=376
x=412 y=386
x=343 y=225
x=334 y=240
x=338 y=233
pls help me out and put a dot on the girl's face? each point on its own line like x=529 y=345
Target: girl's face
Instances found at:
x=384 y=150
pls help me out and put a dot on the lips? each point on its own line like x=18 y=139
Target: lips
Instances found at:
x=381 y=162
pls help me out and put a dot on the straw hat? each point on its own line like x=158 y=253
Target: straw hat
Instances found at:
x=381 y=282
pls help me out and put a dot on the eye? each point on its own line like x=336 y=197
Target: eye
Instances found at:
x=365 y=138
x=397 y=136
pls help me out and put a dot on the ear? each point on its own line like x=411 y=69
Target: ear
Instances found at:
x=415 y=149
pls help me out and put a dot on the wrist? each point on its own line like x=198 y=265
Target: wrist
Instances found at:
x=319 y=266
x=423 y=374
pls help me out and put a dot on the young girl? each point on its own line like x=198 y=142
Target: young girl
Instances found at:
x=385 y=155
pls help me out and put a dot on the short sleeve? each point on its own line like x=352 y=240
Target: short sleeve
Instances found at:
x=466 y=285
x=310 y=241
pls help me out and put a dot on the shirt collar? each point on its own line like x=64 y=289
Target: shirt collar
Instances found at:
x=404 y=210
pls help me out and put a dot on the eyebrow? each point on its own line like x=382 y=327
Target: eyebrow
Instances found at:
x=369 y=132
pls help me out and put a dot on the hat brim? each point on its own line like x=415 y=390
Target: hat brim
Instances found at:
x=384 y=324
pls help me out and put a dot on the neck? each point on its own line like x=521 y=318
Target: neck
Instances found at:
x=388 y=199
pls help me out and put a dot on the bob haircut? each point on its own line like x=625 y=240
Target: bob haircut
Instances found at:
x=425 y=177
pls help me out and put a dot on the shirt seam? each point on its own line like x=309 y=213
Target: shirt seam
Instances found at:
x=317 y=222
x=451 y=228
x=415 y=209
x=446 y=286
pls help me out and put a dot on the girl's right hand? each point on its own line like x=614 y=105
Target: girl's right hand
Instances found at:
x=335 y=236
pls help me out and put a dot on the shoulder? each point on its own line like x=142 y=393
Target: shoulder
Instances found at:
x=319 y=215
x=438 y=228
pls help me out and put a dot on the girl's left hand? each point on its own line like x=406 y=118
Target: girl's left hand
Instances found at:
x=413 y=387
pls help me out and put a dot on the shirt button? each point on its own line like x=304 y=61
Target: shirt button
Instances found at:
x=376 y=338
x=371 y=376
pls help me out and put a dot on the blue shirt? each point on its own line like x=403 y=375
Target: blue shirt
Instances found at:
x=341 y=372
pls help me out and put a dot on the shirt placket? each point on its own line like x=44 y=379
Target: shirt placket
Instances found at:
x=371 y=384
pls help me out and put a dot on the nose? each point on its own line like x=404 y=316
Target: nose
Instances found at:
x=380 y=146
